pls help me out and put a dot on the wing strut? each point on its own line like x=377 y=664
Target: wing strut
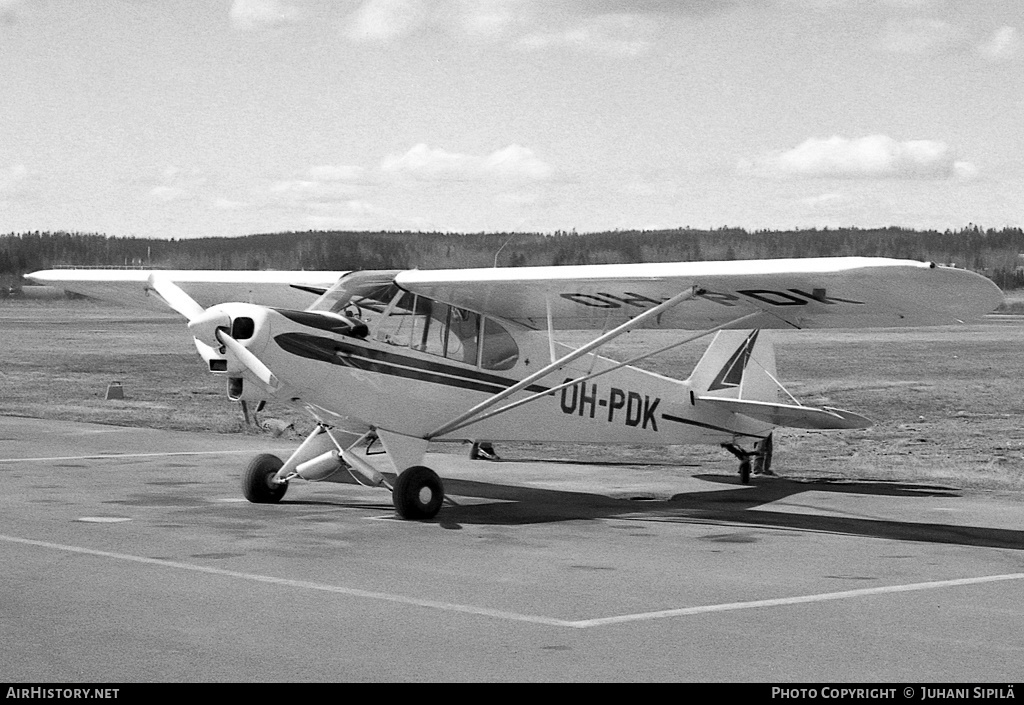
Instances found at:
x=566 y=359
x=590 y=376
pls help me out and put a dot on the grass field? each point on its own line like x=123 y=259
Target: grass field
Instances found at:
x=948 y=402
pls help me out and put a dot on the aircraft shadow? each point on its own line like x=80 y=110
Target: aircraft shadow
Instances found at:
x=525 y=505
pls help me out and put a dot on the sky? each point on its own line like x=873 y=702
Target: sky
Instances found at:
x=200 y=118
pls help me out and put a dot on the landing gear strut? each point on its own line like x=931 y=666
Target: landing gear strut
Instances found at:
x=418 y=493
x=757 y=461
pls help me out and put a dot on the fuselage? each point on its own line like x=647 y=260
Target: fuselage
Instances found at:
x=409 y=365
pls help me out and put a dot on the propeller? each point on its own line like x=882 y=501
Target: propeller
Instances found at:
x=210 y=327
x=245 y=356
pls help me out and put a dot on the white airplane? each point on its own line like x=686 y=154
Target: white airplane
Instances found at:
x=414 y=357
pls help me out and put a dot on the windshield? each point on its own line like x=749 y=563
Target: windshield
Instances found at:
x=362 y=295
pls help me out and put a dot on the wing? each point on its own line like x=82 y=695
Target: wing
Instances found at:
x=130 y=287
x=835 y=292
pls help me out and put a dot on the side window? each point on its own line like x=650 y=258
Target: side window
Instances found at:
x=421 y=324
x=500 y=351
x=430 y=326
x=463 y=329
x=396 y=328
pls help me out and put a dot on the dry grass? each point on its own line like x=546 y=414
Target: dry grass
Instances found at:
x=59 y=357
x=1013 y=303
x=947 y=402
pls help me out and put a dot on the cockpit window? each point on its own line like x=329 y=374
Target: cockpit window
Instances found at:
x=362 y=295
x=403 y=319
x=500 y=351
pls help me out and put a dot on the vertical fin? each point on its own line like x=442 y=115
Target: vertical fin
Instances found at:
x=738 y=365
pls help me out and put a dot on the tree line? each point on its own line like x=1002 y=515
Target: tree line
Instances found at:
x=995 y=253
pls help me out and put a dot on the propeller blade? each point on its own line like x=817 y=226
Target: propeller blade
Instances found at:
x=204 y=326
x=175 y=297
x=253 y=363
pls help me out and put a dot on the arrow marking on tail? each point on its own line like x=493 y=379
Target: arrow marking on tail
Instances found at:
x=731 y=374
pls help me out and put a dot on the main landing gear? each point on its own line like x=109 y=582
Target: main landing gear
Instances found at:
x=417 y=493
x=757 y=461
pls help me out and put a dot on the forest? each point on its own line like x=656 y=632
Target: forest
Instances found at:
x=995 y=253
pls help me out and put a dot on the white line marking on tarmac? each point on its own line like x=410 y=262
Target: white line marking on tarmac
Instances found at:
x=115 y=456
x=799 y=600
x=287 y=582
x=514 y=616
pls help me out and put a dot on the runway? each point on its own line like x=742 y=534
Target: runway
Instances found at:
x=128 y=555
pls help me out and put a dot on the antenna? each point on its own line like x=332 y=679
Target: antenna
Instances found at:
x=502 y=248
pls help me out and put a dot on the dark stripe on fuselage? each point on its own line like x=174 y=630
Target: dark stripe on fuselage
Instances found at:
x=688 y=422
x=340 y=325
x=318 y=290
x=346 y=354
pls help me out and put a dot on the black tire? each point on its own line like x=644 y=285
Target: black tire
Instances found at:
x=257 y=480
x=418 y=493
x=745 y=472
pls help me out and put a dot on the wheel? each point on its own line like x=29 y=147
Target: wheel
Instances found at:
x=418 y=493
x=745 y=472
x=257 y=480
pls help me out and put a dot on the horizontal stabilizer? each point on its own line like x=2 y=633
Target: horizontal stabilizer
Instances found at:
x=791 y=415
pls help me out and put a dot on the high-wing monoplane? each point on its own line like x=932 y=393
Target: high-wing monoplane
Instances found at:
x=414 y=357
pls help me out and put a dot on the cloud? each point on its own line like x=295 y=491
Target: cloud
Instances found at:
x=321 y=186
x=1002 y=45
x=614 y=35
x=516 y=162
x=489 y=19
x=385 y=20
x=253 y=15
x=655 y=7
x=425 y=163
x=388 y=20
x=616 y=27
x=175 y=184
x=872 y=157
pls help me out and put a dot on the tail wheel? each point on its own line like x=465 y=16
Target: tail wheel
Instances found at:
x=258 y=484
x=418 y=493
